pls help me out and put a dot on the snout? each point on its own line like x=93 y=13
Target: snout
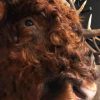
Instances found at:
x=89 y=88
x=86 y=91
x=61 y=88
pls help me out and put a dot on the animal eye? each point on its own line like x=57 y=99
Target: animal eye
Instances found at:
x=29 y=22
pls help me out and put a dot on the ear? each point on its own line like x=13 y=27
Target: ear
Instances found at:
x=3 y=9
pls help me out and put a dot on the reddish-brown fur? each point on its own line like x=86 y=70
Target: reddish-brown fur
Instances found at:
x=35 y=59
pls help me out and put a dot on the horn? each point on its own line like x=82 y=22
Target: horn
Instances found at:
x=2 y=10
x=91 y=33
x=94 y=34
x=66 y=3
x=72 y=5
x=82 y=7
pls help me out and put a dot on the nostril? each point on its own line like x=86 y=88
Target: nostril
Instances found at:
x=78 y=92
x=89 y=89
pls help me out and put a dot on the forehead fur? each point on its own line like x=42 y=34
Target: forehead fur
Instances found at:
x=49 y=7
x=57 y=54
x=62 y=39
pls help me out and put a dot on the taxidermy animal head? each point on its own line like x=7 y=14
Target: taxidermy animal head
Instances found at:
x=43 y=53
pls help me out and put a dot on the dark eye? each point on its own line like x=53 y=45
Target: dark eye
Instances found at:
x=29 y=22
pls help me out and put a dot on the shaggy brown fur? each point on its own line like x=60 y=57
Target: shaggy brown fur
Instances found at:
x=41 y=49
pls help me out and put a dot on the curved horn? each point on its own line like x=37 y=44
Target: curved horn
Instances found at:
x=2 y=10
x=66 y=3
x=82 y=7
x=89 y=32
x=72 y=4
x=92 y=35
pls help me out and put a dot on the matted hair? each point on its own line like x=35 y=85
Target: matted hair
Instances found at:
x=41 y=43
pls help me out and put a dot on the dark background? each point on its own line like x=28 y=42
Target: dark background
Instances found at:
x=95 y=4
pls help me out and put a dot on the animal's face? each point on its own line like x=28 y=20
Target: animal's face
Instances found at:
x=46 y=42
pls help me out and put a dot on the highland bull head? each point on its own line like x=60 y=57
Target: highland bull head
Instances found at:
x=43 y=55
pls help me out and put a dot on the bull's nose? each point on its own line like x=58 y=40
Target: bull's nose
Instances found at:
x=89 y=89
